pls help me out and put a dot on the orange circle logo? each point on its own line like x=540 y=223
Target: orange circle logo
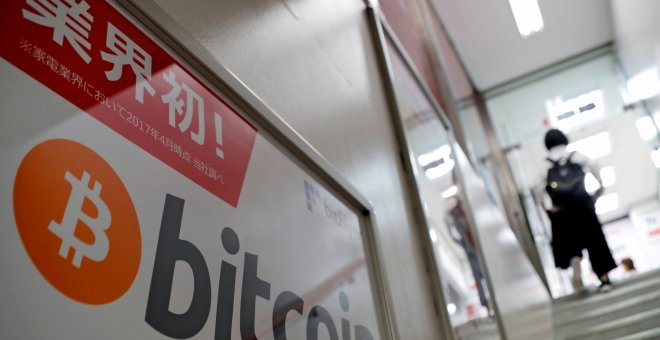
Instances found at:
x=77 y=221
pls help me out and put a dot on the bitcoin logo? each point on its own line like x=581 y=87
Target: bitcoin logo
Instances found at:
x=65 y=231
x=77 y=221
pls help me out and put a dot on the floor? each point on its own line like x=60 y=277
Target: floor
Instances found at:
x=630 y=311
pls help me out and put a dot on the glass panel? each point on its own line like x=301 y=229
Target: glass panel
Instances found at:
x=466 y=293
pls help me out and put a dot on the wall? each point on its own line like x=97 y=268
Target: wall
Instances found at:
x=313 y=63
x=637 y=37
x=636 y=31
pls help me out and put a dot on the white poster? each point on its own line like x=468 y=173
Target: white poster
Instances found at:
x=105 y=233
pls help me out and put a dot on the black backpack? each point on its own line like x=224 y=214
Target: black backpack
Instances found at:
x=565 y=183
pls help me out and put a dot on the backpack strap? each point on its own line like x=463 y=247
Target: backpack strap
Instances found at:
x=554 y=163
x=568 y=159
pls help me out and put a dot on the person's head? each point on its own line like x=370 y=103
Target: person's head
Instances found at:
x=555 y=137
x=628 y=264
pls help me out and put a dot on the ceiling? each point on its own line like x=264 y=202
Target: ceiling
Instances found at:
x=488 y=42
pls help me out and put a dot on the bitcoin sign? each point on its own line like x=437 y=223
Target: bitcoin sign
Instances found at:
x=77 y=221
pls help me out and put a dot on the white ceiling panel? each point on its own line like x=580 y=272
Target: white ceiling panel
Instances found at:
x=488 y=42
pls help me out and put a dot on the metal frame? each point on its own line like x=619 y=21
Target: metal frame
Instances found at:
x=427 y=15
x=549 y=70
x=380 y=29
x=250 y=106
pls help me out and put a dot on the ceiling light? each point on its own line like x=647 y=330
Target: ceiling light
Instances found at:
x=453 y=190
x=437 y=163
x=528 y=16
x=440 y=170
x=432 y=156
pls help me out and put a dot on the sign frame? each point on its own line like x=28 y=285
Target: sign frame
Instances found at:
x=248 y=105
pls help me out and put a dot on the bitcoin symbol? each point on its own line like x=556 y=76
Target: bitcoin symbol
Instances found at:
x=65 y=230
x=76 y=221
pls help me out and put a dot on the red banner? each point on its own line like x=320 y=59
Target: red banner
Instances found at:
x=90 y=54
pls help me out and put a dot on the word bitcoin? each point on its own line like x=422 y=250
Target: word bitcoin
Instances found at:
x=171 y=249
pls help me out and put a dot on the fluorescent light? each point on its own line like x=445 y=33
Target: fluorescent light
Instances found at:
x=528 y=16
x=607 y=203
x=435 y=155
x=643 y=85
x=453 y=190
x=434 y=235
x=437 y=163
x=451 y=308
x=646 y=128
x=440 y=170
x=595 y=146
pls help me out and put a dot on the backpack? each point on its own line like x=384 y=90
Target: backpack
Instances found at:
x=565 y=183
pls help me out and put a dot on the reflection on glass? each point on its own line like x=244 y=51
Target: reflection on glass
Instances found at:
x=451 y=308
x=437 y=163
x=467 y=297
x=453 y=190
x=434 y=235
x=434 y=156
x=442 y=168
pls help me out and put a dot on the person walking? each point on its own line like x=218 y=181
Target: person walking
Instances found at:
x=572 y=212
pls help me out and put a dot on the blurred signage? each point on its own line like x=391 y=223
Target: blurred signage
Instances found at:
x=651 y=225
